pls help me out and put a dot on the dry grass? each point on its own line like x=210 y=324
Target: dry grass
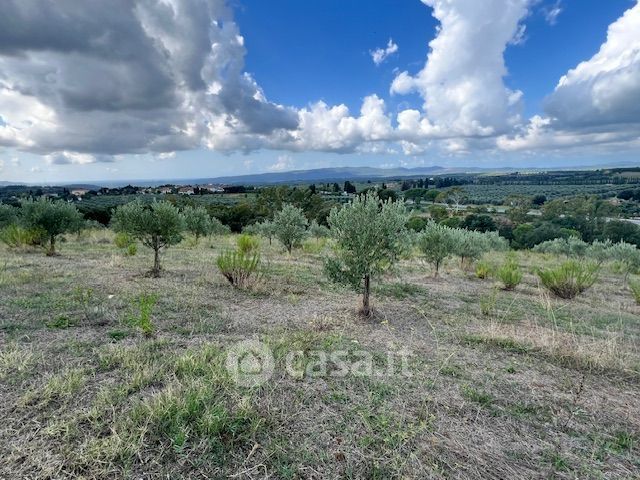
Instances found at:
x=536 y=387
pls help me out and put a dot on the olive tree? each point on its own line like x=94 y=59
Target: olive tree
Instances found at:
x=50 y=219
x=197 y=221
x=318 y=231
x=157 y=225
x=370 y=235
x=436 y=243
x=290 y=226
x=8 y=215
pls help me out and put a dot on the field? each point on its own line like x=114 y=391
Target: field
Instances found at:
x=493 y=384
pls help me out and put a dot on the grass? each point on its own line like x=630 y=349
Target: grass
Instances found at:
x=537 y=386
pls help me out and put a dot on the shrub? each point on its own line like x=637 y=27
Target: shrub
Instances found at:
x=483 y=269
x=122 y=240
x=627 y=255
x=51 y=219
x=569 y=279
x=370 y=235
x=158 y=225
x=240 y=269
x=132 y=249
x=436 y=243
x=510 y=275
x=634 y=286
x=8 y=215
x=290 y=226
x=569 y=247
x=14 y=236
x=247 y=244
x=488 y=303
x=217 y=227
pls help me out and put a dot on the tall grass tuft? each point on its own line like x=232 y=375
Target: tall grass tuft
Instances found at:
x=510 y=275
x=634 y=286
x=569 y=279
x=239 y=268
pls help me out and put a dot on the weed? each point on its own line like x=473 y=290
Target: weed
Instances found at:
x=483 y=269
x=144 y=309
x=488 y=303
x=510 y=275
x=634 y=286
x=483 y=399
x=240 y=269
x=60 y=322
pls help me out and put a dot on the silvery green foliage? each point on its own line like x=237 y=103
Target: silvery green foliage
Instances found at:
x=496 y=242
x=197 y=221
x=318 y=231
x=627 y=255
x=599 y=252
x=470 y=245
x=370 y=236
x=157 y=225
x=218 y=228
x=437 y=242
x=50 y=219
x=569 y=247
x=8 y=215
x=290 y=226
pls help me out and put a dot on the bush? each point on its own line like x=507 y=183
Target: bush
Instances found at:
x=634 y=286
x=290 y=226
x=569 y=279
x=247 y=244
x=436 y=243
x=510 y=275
x=483 y=270
x=627 y=255
x=14 y=236
x=240 y=269
x=569 y=247
x=318 y=231
x=122 y=240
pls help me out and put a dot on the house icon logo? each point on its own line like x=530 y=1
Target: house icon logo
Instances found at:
x=250 y=363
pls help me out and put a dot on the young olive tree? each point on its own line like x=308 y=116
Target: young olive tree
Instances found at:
x=50 y=219
x=370 y=235
x=290 y=226
x=197 y=221
x=318 y=231
x=157 y=226
x=436 y=242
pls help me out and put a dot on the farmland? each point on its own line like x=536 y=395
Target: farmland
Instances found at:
x=500 y=384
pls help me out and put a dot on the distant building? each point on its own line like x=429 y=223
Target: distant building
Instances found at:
x=188 y=190
x=79 y=192
x=165 y=190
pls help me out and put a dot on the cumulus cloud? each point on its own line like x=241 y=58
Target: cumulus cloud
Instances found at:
x=462 y=82
x=595 y=103
x=379 y=55
x=126 y=76
x=283 y=163
x=606 y=88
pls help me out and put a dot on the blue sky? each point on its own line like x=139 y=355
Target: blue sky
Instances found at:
x=238 y=90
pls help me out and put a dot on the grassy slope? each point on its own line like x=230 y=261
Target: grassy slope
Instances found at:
x=538 y=388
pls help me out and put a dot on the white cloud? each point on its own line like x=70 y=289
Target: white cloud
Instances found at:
x=283 y=163
x=552 y=12
x=462 y=81
x=595 y=104
x=605 y=89
x=379 y=55
x=126 y=76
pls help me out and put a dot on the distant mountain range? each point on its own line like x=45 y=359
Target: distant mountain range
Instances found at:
x=317 y=175
x=320 y=175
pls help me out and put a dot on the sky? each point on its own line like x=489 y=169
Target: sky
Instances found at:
x=178 y=89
